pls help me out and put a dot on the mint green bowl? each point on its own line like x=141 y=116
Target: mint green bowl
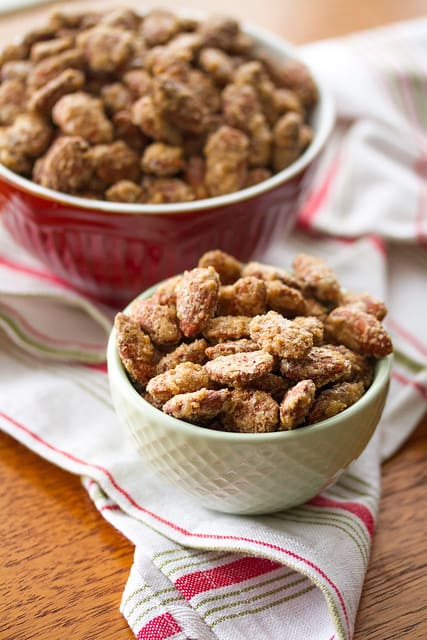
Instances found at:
x=246 y=473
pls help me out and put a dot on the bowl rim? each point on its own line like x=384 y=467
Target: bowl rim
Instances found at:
x=117 y=376
x=326 y=121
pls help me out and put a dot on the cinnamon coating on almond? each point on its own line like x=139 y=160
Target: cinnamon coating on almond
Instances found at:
x=135 y=349
x=360 y=331
x=197 y=407
x=184 y=378
x=296 y=404
x=279 y=336
x=239 y=368
x=197 y=299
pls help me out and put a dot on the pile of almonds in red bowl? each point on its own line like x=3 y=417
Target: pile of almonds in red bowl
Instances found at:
x=129 y=144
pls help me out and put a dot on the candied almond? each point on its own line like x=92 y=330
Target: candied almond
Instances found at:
x=126 y=130
x=135 y=349
x=227 y=267
x=253 y=73
x=317 y=278
x=185 y=46
x=219 y=31
x=250 y=412
x=162 y=61
x=226 y=328
x=245 y=297
x=116 y=97
x=268 y=272
x=362 y=369
x=239 y=368
x=199 y=407
x=197 y=299
x=359 y=331
x=139 y=82
x=13 y=159
x=279 y=336
x=165 y=293
x=14 y=51
x=184 y=378
x=334 y=400
x=284 y=299
x=65 y=167
x=149 y=398
x=286 y=140
x=159 y=26
x=191 y=352
x=16 y=70
x=257 y=175
x=315 y=308
x=206 y=90
x=296 y=76
x=124 y=191
x=164 y=190
x=227 y=151
x=217 y=63
x=286 y=100
x=106 y=49
x=240 y=104
x=29 y=134
x=364 y=302
x=158 y=320
x=271 y=383
x=229 y=348
x=145 y=115
x=114 y=162
x=162 y=159
x=47 y=96
x=312 y=324
x=194 y=175
x=317 y=363
x=296 y=404
x=180 y=103
x=12 y=100
x=48 y=48
x=122 y=18
x=49 y=68
x=81 y=114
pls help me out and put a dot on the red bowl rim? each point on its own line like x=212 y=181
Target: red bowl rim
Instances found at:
x=324 y=118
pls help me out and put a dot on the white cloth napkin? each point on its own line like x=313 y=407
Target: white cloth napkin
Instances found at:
x=298 y=574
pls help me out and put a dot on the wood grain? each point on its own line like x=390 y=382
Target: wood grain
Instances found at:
x=301 y=21
x=63 y=567
x=394 y=600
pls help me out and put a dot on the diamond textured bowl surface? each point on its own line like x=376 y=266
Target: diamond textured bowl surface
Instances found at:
x=246 y=473
x=112 y=251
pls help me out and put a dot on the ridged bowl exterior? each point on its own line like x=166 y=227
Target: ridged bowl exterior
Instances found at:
x=113 y=256
x=246 y=473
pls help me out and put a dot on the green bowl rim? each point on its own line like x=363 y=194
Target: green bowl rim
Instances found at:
x=117 y=375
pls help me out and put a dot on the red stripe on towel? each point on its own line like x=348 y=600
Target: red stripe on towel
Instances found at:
x=159 y=628
x=316 y=199
x=226 y=575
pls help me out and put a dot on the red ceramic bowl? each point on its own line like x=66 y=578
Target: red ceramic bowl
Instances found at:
x=112 y=251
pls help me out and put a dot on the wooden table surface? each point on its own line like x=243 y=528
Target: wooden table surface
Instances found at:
x=63 y=568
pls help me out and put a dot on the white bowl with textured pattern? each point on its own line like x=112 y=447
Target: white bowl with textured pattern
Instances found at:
x=246 y=473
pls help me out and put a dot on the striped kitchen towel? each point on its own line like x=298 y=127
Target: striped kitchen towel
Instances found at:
x=297 y=574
